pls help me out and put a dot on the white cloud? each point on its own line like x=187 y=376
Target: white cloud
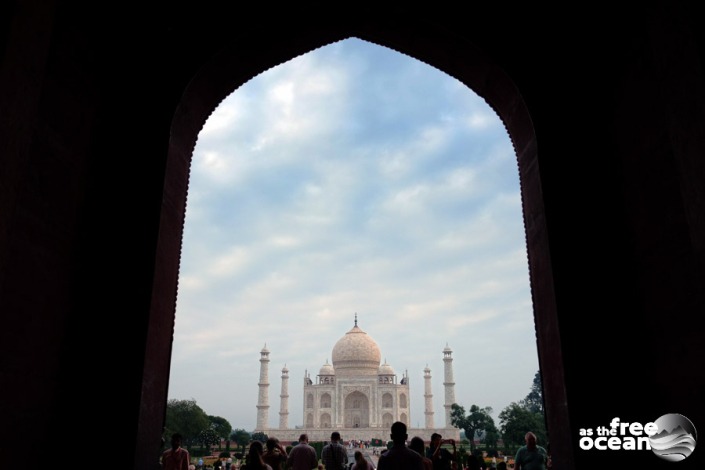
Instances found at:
x=481 y=120
x=230 y=263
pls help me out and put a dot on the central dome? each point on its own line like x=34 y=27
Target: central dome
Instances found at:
x=356 y=353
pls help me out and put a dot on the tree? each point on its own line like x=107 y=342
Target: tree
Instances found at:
x=208 y=438
x=534 y=400
x=515 y=421
x=240 y=437
x=260 y=436
x=491 y=437
x=527 y=415
x=478 y=419
x=221 y=426
x=187 y=418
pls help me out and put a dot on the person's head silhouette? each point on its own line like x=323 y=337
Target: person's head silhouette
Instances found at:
x=398 y=434
x=417 y=445
x=176 y=440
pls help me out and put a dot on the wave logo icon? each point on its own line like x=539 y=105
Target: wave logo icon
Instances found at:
x=675 y=439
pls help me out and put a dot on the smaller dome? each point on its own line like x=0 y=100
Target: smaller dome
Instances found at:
x=326 y=369
x=385 y=369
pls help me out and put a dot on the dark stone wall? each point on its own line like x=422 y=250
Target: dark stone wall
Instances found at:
x=99 y=110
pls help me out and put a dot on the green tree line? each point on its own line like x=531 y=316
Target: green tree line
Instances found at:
x=514 y=422
x=199 y=428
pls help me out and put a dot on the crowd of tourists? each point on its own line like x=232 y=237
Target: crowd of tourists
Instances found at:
x=272 y=455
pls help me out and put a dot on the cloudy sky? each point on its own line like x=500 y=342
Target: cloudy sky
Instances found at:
x=352 y=179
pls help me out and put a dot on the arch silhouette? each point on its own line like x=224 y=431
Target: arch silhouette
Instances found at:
x=619 y=120
x=233 y=66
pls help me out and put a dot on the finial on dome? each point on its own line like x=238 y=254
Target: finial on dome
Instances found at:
x=355 y=318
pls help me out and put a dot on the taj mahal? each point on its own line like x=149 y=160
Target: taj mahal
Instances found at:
x=356 y=395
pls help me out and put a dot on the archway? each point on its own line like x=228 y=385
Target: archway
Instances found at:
x=325 y=420
x=387 y=420
x=224 y=73
x=356 y=412
x=387 y=400
x=325 y=400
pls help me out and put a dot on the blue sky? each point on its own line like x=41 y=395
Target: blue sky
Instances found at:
x=352 y=179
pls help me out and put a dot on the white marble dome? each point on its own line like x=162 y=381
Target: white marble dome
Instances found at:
x=386 y=369
x=326 y=369
x=356 y=353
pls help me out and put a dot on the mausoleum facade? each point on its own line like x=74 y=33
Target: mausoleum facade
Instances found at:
x=357 y=395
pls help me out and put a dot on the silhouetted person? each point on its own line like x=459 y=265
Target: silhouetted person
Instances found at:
x=473 y=463
x=254 y=458
x=302 y=456
x=274 y=454
x=399 y=456
x=334 y=455
x=175 y=458
x=442 y=459
x=530 y=456
x=480 y=458
x=361 y=462
x=418 y=446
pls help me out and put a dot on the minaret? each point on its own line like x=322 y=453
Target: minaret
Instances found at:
x=448 y=383
x=284 y=407
x=263 y=398
x=428 y=397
